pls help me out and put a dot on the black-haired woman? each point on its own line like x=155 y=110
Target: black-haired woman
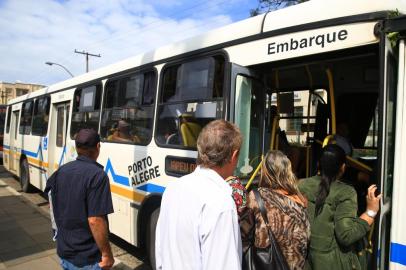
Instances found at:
x=332 y=209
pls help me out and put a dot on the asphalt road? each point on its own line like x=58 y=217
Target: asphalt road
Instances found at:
x=126 y=256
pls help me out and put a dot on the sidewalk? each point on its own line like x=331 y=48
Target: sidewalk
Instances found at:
x=25 y=238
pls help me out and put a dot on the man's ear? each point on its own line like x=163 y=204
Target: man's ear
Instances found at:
x=234 y=156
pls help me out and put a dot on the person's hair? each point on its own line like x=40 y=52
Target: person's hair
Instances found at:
x=331 y=160
x=276 y=173
x=89 y=152
x=216 y=143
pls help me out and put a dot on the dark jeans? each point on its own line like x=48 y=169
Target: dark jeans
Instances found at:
x=69 y=266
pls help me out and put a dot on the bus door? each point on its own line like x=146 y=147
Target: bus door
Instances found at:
x=392 y=239
x=389 y=62
x=57 y=136
x=13 y=161
x=248 y=112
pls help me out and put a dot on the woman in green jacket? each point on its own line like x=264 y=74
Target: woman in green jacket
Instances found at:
x=332 y=209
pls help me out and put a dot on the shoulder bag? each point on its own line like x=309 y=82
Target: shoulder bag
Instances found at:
x=264 y=258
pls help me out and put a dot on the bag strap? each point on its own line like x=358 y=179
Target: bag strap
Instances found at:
x=270 y=233
x=261 y=206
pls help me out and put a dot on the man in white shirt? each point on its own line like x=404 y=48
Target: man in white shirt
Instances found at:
x=198 y=224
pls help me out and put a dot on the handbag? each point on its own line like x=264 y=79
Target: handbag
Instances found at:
x=271 y=257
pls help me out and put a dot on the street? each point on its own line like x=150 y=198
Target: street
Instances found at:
x=25 y=238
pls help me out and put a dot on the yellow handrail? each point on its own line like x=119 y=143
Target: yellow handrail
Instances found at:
x=332 y=100
x=254 y=174
x=309 y=75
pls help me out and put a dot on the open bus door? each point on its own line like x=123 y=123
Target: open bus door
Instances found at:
x=392 y=242
x=13 y=161
x=57 y=138
x=398 y=236
x=388 y=147
x=247 y=111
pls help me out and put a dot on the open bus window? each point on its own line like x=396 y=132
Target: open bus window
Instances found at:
x=26 y=118
x=41 y=116
x=368 y=153
x=128 y=109
x=299 y=122
x=86 y=109
x=293 y=122
x=191 y=96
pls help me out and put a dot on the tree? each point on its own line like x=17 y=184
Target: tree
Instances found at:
x=269 y=5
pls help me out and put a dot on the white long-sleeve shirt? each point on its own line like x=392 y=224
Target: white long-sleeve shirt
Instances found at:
x=198 y=225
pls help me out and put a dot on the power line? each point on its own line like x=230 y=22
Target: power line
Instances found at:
x=155 y=24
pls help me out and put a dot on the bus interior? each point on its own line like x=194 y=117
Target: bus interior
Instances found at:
x=308 y=102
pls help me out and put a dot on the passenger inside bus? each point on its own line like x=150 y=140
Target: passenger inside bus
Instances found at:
x=122 y=133
x=189 y=129
x=342 y=138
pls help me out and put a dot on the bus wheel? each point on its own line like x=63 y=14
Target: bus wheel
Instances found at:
x=150 y=243
x=25 y=176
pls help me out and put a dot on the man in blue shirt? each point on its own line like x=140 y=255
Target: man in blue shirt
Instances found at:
x=81 y=201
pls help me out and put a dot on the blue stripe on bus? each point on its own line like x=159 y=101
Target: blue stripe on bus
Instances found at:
x=123 y=180
x=398 y=253
x=26 y=152
x=29 y=153
x=152 y=188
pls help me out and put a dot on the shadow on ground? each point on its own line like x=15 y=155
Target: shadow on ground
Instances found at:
x=24 y=232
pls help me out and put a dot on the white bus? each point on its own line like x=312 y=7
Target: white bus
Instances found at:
x=288 y=78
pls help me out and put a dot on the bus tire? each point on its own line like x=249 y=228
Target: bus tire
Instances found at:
x=150 y=243
x=25 y=177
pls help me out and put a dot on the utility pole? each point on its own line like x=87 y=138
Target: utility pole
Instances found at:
x=87 y=57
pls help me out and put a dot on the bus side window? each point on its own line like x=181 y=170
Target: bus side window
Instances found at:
x=26 y=118
x=129 y=108
x=41 y=116
x=8 y=119
x=86 y=109
x=191 y=96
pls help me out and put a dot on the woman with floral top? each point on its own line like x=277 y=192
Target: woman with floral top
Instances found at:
x=239 y=193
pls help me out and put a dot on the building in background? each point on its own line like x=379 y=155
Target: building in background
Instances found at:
x=12 y=90
x=294 y=112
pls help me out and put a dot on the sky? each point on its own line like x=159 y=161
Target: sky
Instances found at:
x=33 y=32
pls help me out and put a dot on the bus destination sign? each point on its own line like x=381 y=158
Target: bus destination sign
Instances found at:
x=179 y=166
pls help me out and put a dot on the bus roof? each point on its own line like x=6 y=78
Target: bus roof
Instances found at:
x=308 y=12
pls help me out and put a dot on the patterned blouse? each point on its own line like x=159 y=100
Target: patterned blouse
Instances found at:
x=239 y=193
x=289 y=223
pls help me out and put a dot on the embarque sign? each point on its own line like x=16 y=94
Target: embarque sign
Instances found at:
x=303 y=43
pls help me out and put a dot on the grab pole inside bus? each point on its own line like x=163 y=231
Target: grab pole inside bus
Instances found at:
x=354 y=163
x=310 y=77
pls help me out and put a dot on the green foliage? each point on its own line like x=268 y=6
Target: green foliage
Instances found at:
x=393 y=39
x=394 y=36
x=394 y=13
x=270 y=5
